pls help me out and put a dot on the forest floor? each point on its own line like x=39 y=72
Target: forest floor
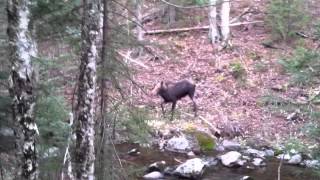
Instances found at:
x=223 y=100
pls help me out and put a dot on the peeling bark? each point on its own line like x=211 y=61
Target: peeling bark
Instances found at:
x=21 y=82
x=84 y=124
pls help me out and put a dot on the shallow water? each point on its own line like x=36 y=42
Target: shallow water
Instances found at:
x=219 y=172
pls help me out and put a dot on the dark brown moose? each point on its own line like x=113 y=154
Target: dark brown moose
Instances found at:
x=172 y=92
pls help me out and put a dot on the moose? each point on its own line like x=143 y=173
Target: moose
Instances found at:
x=172 y=92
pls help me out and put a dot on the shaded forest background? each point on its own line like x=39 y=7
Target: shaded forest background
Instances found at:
x=265 y=87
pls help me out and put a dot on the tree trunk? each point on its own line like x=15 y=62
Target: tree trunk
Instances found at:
x=172 y=14
x=214 y=34
x=84 y=124
x=139 y=4
x=225 y=21
x=21 y=89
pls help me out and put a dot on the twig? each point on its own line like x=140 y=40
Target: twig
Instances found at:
x=246 y=11
x=67 y=156
x=279 y=167
x=127 y=57
x=216 y=130
x=176 y=30
x=115 y=152
x=244 y=23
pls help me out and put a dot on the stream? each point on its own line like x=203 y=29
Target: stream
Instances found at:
x=218 y=172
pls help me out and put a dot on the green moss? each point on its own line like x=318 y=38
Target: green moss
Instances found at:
x=206 y=142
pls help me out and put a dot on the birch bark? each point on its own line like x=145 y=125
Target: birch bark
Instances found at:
x=21 y=87
x=84 y=122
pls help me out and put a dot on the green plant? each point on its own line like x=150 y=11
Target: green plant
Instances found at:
x=51 y=114
x=201 y=2
x=238 y=71
x=295 y=144
x=303 y=66
x=134 y=120
x=286 y=18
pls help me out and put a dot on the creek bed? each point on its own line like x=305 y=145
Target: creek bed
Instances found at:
x=219 y=172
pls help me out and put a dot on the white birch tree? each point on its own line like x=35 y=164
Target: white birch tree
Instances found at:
x=221 y=35
x=84 y=156
x=214 y=34
x=225 y=21
x=21 y=82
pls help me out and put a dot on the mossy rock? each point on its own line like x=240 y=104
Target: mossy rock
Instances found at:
x=206 y=142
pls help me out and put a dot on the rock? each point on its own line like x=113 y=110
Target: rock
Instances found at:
x=192 y=168
x=210 y=161
x=154 y=175
x=178 y=144
x=169 y=171
x=157 y=166
x=133 y=152
x=284 y=156
x=182 y=144
x=191 y=154
x=230 y=145
x=246 y=157
x=312 y=163
x=205 y=141
x=219 y=148
x=241 y=162
x=231 y=158
x=246 y=178
x=258 y=162
x=255 y=153
x=295 y=159
x=269 y=153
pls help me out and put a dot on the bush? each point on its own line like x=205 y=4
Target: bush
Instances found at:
x=303 y=66
x=286 y=18
x=238 y=71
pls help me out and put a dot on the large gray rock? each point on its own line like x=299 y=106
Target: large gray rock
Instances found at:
x=178 y=144
x=182 y=144
x=312 y=163
x=154 y=175
x=230 y=145
x=295 y=159
x=231 y=159
x=255 y=153
x=269 y=153
x=192 y=168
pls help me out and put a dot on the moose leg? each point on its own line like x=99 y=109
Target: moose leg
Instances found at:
x=172 y=109
x=194 y=108
x=162 y=108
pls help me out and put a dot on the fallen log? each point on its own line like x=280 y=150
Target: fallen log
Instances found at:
x=165 y=31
